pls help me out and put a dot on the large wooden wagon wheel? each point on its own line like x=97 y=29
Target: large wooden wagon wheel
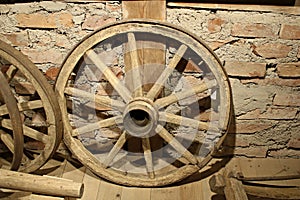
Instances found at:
x=36 y=104
x=143 y=124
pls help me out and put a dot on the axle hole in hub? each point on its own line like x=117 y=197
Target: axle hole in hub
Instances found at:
x=139 y=117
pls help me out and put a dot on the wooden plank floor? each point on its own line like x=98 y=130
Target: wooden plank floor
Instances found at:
x=98 y=189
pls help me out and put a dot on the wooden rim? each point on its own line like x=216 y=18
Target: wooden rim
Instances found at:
x=86 y=54
x=15 y=141
x=49 y=133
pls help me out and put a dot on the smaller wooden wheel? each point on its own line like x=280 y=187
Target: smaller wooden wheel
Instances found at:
x=137 y=122
x=12 y=139
x=35 y=103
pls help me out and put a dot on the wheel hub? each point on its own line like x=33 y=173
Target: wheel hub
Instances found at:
x=140 y=118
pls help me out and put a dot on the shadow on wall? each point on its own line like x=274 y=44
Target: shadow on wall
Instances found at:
x=224 y=155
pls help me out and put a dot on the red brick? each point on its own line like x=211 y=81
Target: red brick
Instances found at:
x=24 y=88
x=34 y=145
x=38 y=20
x=290 y=32
x=253 y=30
x=188 y=83
x=245 y=69
x=252 y=127
x=271 y=113
x=35 y=21
x=109 y=133
x=238 y=140
x=113 y=7
x=191 y=81
x=81 y=34
x=94 y=22
x=254 y=114
x=279 y=113
x=18 y=39
x=283 y=82
x=217 y=44
x=93 y=74
x=256 y=151
x=288 y=70
x=52 y=73
x=273 y=81
x=272 y=50
x=283 y=99
x=215 y=25
x=47 y=56
x=38 y=119
x=294 y=143
x=62 y=41
x=192 y=67
x=63 y=19
x=251 y=152
x=284 y=153
x=207 y=116
x=105 y=89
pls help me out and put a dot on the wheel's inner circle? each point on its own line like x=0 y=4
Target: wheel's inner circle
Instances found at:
x=140 y=118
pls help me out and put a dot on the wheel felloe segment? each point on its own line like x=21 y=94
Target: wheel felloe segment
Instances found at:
x=14 y=141
x=140 y=123
x=36 y=106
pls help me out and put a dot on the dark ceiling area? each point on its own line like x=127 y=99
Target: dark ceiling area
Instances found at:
x=256 y=2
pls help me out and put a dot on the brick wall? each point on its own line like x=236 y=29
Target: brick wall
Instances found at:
x=260 y=52
x=46 y=31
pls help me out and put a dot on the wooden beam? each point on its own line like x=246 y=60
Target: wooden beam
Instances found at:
x=46 y=185
x=154 y=10
x=234 y=189
x=151 y=9
x=243 y=7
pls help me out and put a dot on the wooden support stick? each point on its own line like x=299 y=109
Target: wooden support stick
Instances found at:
x=45 y=185
x=234 y=189
x=230 y=187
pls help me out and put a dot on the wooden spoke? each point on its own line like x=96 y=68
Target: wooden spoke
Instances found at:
x=184 y=121
x=4 y=163
x=148 y=157
x=10 y=73
x=8 y=141
x=3 y=110
x=115 y=150
x=102 y=100
x=32 y=133
x=97 y=125
x=30 y=105
x=136 y=76
x=16 y=122
x=155 y=90
x=173 y=98
x=110 y=76
x=163 y=133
